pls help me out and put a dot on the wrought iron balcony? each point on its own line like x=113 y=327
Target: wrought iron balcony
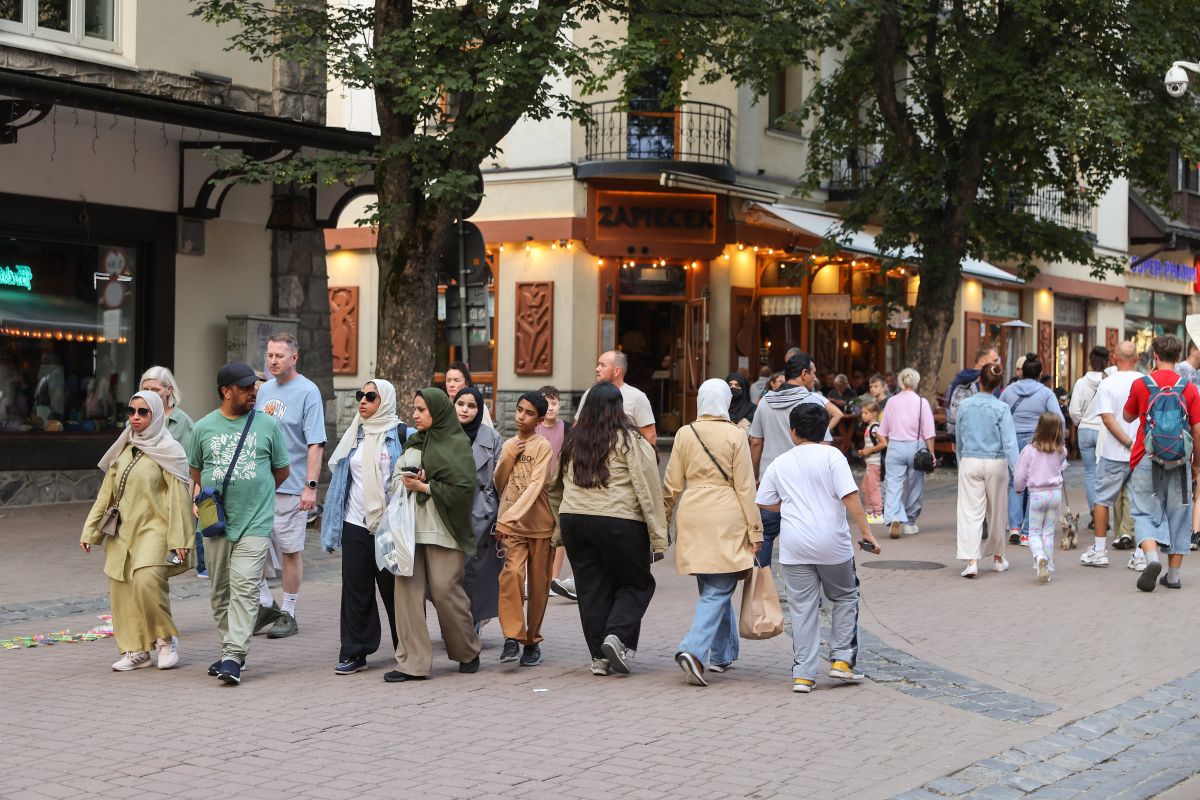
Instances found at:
x=851 y=173
x=1053 y=205
x=647 y=137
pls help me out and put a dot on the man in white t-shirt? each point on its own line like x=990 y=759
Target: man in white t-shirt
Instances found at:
x=612 y=367
x=1112 y=468
x=811 y=487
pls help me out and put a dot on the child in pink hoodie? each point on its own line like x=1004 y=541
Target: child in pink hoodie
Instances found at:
x=1039 y=470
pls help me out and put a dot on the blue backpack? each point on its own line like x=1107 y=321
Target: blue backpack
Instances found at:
x=1167 y=435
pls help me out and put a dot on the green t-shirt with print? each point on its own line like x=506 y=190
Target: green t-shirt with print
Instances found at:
x=250 y=500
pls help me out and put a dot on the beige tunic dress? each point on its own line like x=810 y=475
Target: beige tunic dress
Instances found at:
x=155 y=517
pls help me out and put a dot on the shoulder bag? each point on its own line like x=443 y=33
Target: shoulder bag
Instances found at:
x=210 y=503
x=923 y=460
x=110 y=523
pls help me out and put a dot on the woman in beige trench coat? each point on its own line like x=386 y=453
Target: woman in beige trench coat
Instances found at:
x=718 y=529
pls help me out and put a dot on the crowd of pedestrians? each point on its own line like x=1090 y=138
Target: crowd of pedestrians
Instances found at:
x=494 y=522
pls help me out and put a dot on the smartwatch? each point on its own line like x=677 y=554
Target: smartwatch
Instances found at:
x=311 y=484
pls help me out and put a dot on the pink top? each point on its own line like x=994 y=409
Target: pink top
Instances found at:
x=907 y=418
x=1039 y=470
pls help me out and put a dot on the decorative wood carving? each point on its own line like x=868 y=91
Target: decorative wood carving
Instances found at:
x=1112 y=338
x=534 y=350
x=1045 y=344
x=343 y=325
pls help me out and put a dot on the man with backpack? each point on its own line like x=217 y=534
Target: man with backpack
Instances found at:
x=1168 y=409
x=966 y=383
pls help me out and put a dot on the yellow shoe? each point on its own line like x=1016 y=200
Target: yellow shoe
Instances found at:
x=802 y=685
x=844 y=672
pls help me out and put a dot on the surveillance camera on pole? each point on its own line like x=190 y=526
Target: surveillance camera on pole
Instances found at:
x=1176 y=79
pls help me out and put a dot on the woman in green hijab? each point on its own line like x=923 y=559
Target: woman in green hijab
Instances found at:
x=438 y=471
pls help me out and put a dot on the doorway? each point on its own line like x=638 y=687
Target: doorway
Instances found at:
x=651 y=335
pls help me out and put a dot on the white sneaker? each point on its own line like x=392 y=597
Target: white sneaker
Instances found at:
x=971 y=571
x=1094 y=558
x=910 y=528
x=168 y=652
x=1137 y=561
x=1000 y=566
x=1042 y=569
x=131 y=661
x=600 y=666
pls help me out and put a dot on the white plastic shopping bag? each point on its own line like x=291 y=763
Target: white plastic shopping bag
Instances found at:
x=395 y=543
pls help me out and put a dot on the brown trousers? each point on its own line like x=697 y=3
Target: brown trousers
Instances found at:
x=438 y=573
x=525 y=557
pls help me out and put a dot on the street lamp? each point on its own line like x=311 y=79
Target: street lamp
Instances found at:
x=1176 y=79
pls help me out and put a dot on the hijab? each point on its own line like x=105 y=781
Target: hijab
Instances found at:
x=712 y=400
x=375 y=430
x=741 y=406
x=471 y=429
x=155 y=442
x=449 y=467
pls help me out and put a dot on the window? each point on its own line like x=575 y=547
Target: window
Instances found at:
x=91 y=23
x=67 y=322
x=785 y=96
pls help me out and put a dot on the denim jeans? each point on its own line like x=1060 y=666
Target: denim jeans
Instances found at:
x=199 y=552
x=902 y=485
x=770 y=523
x=714 y=628
x=1016 y=500
x=1087 y=453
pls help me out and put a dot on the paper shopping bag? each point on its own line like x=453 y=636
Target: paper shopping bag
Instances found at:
x=761 y=616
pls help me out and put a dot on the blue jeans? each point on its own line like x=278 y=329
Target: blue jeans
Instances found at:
x=902 y=485
x=770 y=523
x=714 y=628
x=1087 y=452
x=1016 y=500
x=199 y=552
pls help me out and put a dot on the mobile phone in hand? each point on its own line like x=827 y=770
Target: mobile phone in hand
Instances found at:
x=863 y=544
x=411 y=470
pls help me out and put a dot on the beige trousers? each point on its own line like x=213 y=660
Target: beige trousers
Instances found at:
x=982 y=494
x=141 y=609
x=438 y=573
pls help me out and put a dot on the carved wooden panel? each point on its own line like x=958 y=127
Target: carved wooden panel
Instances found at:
x=533 y=351
x=1112 y=338
x=1045 y=344
x=343 y=324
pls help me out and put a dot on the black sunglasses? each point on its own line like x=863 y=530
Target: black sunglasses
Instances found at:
x=370 y=396
x=139 y=412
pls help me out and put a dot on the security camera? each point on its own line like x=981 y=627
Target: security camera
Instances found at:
x=1176 y=81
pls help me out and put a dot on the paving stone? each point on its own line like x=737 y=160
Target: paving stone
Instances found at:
x=997 y=792
x=951 y=787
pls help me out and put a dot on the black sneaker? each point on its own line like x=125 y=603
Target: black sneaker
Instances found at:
x=266 y=617
x=511 y=651
x=230 y=672
x=1123 y=542
x=1170 y=584
x=1196 y=540
x=469 y=667
x=214 y=669
x=396 y=676
x=1149 y=575
x=350 y=666
x=531 y=656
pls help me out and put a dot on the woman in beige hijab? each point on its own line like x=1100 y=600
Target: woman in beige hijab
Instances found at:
x=146 y=479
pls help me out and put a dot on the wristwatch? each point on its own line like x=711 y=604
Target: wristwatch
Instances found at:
x=311 y=484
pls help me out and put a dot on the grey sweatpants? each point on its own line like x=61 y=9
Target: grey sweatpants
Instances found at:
x=804 y=583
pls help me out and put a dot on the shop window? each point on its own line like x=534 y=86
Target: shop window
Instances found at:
x=67 y=322
x=784 y=275
x=784 y=97
x=653 y=279
x=1150 y=314
x=91 y=23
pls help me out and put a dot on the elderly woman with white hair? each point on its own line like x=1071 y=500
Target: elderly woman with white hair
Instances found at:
x=907 y=427
x=717 y=526
x=162 y=382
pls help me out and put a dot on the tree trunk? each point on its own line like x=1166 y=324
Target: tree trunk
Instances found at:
x=933 y=314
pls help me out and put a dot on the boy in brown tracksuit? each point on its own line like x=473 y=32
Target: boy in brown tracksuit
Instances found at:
x=523 y=528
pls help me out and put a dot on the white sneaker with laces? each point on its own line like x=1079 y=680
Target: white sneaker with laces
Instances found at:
x=600 y=666
x=168 y=652
x=1094 y=558
x=971 y=571
x=910 y=528
x=1137 y=561
x=132 y=661
x=1000 y=566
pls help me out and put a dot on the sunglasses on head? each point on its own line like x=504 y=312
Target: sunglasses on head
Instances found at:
x=371 y=397
x=137 y=412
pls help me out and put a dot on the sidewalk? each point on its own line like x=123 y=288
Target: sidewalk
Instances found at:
x=964 y=674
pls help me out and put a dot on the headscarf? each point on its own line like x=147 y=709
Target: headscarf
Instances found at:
x=712 y=400
x=449 y=467
x=375 y=429
x=740 y=407
x=471 y=429
x=159 y=445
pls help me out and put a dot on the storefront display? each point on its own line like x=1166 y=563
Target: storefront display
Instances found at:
x=1149 y=314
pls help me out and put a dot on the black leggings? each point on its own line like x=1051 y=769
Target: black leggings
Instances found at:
x=360 y=577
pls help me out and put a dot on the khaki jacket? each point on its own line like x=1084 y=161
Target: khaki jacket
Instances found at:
x=716 y=520
x=633 y=492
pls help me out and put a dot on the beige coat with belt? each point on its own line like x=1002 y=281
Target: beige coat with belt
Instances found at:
x=716 y=520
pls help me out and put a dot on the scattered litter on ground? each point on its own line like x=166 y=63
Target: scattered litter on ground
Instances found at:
x=102 y=631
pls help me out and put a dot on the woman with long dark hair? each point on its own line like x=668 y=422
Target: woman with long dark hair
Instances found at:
x=612 y=520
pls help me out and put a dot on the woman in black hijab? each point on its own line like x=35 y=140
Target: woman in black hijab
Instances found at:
x=741 y=407
x=482 y=577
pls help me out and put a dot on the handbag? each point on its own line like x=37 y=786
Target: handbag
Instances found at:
x=210 y=504
x=923 y=460
x=761 y=616
x=110 y=523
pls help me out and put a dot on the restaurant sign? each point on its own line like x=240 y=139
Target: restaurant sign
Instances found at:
x=18 y=276
x=658 y=216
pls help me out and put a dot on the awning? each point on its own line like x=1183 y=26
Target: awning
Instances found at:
x=822 y=226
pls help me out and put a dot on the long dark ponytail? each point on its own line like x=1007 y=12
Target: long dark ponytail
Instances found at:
x=588 y=446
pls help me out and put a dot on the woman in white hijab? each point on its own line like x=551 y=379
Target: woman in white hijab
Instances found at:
x=146 y=481
x=354 y=509
x=709 y=493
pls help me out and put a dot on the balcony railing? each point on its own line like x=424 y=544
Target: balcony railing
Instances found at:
x=692 y=132
x=852 y=172
x=1052 y=205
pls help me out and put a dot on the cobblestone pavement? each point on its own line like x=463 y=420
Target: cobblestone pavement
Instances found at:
x=995 y=687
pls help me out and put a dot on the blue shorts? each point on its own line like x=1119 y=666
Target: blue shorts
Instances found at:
x=1110 y=480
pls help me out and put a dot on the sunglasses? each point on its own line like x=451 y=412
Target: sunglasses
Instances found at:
x=137 y=412
x=371 y=397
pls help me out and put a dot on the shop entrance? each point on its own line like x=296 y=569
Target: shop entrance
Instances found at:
x=665 y=342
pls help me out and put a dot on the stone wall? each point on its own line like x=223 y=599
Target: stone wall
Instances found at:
x=42 y=487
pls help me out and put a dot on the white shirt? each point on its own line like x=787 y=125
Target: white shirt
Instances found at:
x=1110 y=399
x=356 y=504
x=637 y=406
x=809 y=481
x=1083 y=401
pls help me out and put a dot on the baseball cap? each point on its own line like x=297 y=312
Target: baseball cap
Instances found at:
x=236 y=373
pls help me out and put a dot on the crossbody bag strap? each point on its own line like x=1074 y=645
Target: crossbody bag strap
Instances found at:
x=237 y=452
x=716 y=463
x=125 y=476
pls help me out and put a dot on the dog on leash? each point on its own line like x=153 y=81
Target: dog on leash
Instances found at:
x=1068 y=526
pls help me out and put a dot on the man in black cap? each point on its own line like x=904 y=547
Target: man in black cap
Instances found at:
x=242 y=455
